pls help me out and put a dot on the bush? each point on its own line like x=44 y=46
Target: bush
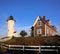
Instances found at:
x=23 y=33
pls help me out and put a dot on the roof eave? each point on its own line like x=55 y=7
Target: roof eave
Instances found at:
x=36 y=20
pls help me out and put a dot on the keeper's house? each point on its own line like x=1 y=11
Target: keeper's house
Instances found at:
x=43 y=27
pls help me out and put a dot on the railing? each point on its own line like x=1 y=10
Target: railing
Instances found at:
x=22 y=47
x=31 y=48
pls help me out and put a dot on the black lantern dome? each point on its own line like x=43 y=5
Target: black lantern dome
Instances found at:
x=11 y=18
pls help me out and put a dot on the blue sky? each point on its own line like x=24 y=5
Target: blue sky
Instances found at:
x=26 y=11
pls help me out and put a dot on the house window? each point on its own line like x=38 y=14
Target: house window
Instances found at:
x=39 y=23
x=39 y=31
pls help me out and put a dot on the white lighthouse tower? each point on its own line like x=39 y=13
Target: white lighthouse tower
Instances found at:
x=11 y=31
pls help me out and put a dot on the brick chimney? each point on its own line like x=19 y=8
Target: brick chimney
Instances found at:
x=48 y=22
x=43 y=17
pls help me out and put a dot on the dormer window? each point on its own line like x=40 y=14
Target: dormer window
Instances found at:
x=39 y=23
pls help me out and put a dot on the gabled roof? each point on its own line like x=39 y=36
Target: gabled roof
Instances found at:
x=44 y=21
x=36 y=20
x=40 y=18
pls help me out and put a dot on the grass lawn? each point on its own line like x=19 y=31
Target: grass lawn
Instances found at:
x=52 y=40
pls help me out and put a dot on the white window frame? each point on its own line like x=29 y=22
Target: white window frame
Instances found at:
x=39 y=23
x=39 y=31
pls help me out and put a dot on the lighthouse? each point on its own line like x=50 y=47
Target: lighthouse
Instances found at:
x=11 y=31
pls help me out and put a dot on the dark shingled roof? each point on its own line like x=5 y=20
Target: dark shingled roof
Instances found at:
x=10 y=18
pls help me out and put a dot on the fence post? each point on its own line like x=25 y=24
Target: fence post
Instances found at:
x=9 y=46
x=39 y=49
x=23 y=47
x=57 y=51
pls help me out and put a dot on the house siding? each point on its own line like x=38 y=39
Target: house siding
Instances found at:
x=39 y=27
x=46 y=28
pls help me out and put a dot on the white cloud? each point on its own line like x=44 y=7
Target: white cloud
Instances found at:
x=58 y=30
x=3 y=31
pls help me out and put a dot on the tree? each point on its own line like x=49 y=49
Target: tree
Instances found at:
x=23 y=33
